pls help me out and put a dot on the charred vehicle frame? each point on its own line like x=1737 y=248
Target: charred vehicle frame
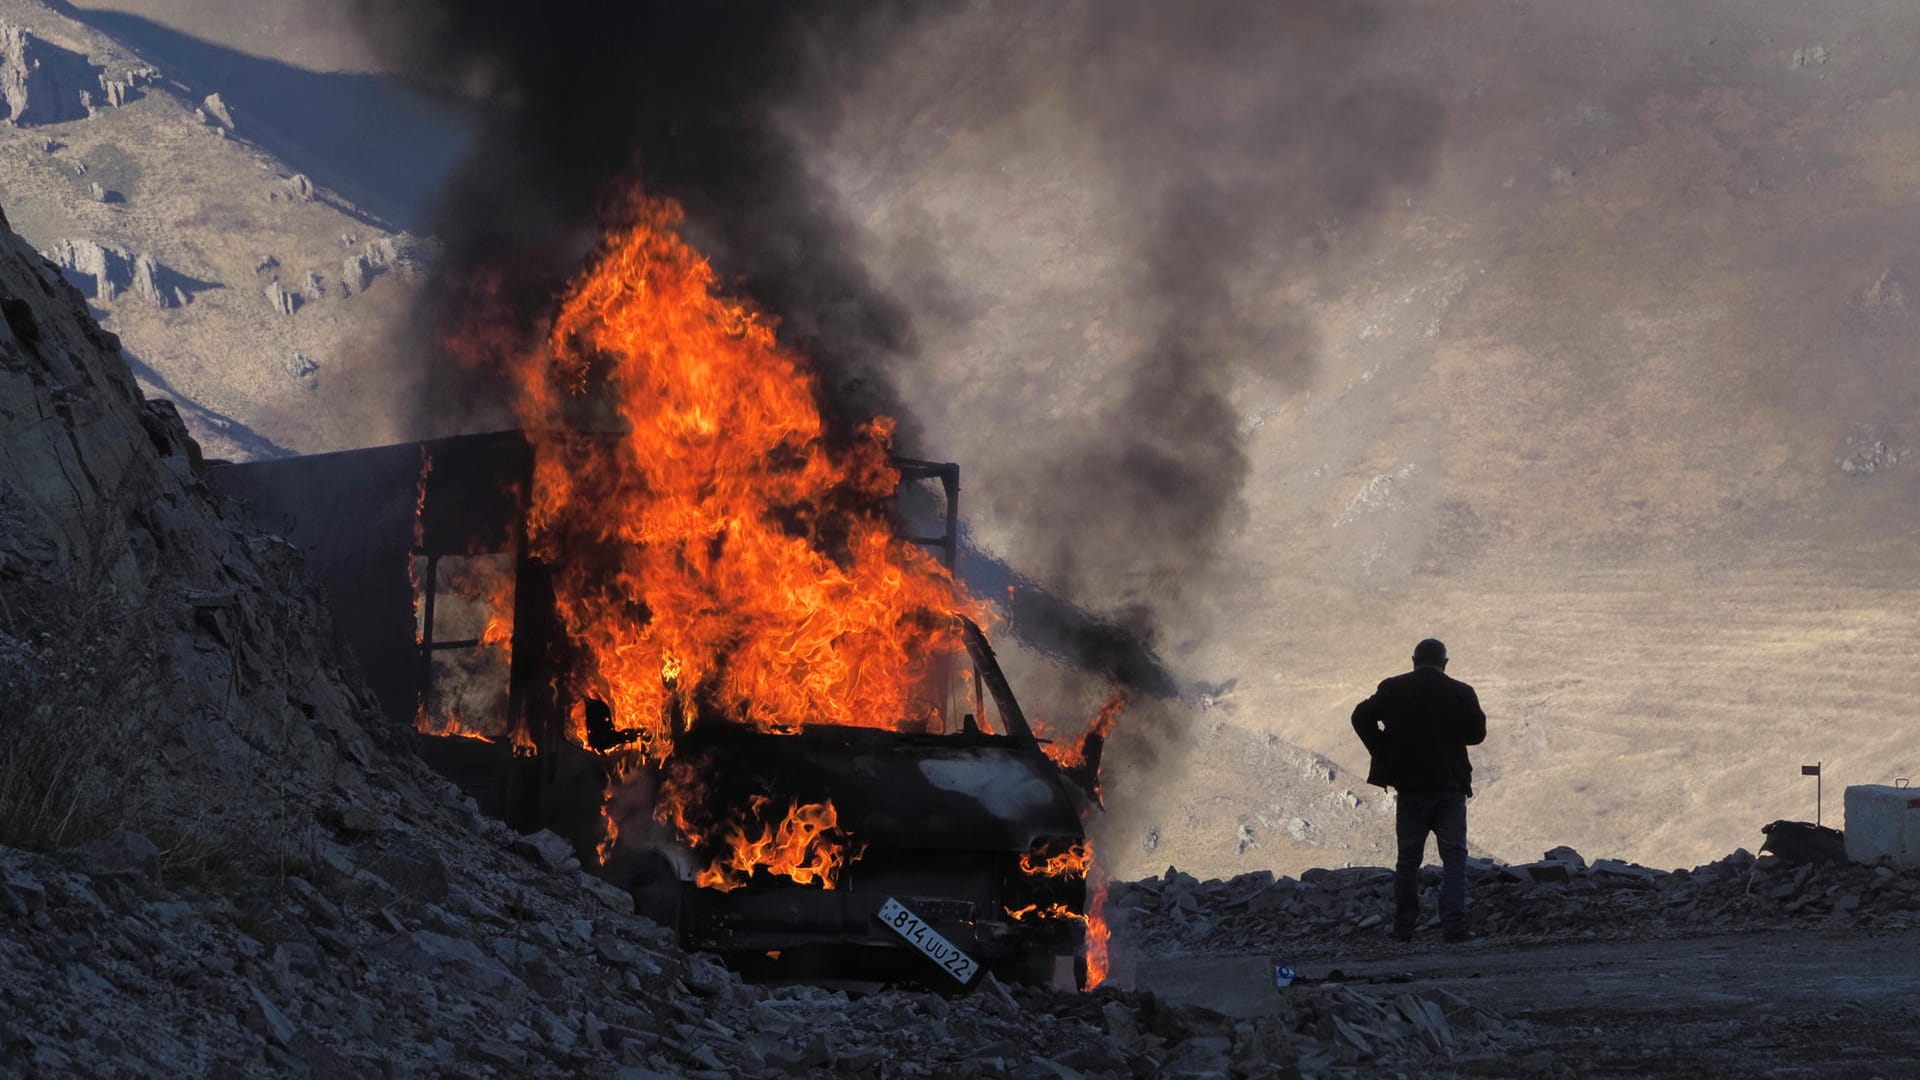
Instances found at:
x=967 y=827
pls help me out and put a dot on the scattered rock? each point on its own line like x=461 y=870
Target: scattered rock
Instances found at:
x=149 y=283
x=125 y=852
x=353 y=820
x=102 y=273
x=1889 y=293
x=1545 y=899
x=265 y=1018
x=1866 y=454
x=284 y=302
x=1810 y=56
x=611 y=896
x=21 y=895
x=216 y=110
x=548 y=849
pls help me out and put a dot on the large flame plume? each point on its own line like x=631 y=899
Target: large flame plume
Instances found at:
x=718 y=555
x=715 y=555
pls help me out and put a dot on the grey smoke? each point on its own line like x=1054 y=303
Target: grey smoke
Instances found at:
x=1250 y=136
x=1248 y=141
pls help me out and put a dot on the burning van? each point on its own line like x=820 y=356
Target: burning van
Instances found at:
x=948 y=839
x=715 y=641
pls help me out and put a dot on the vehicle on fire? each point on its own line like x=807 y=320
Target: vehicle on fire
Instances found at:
x=821 y=849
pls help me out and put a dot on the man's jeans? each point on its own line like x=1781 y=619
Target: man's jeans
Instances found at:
x=1444 y=814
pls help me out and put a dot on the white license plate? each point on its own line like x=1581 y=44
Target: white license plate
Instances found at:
x=923 y=937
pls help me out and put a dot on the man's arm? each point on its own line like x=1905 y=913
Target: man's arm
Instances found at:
x=1473 y=722
x=1366 y=724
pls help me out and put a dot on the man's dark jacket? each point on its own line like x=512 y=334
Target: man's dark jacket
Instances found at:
x=1418 y=726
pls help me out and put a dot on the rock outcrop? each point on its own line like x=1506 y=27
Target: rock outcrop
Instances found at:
x=102 y=273
x=41 y=83
x=284 y=302
x=216 y=110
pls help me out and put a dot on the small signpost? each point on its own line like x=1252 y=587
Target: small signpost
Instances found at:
x=1813 y=770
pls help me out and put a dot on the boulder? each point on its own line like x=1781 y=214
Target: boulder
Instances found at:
x=611 y=896
x=216 y=110
x=284 y=302
x=548 y=849
x=265 y=1018
x=459 y=962
x=1567 y=855
x=125 y=852
x=21 y=894
x=355 y=273
x=98 y=271
x=149 y=283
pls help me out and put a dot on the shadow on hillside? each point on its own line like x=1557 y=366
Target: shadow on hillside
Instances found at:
x=379 y=143
x=199 y=416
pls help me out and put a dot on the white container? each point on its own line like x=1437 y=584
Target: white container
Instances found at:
x=1883 y=823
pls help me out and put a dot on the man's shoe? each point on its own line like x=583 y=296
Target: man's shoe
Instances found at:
x=1403 y=936
x=1455 y=937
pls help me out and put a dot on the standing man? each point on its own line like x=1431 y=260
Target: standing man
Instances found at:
x=1418 y=726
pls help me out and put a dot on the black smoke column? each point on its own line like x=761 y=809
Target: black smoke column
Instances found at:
x=585 y=97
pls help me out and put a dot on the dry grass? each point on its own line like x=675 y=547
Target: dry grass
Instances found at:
x=76 y=731
x=83 y=721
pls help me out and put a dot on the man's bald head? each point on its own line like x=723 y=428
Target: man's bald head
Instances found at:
x=1430 y=653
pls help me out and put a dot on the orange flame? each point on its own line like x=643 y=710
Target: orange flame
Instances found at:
x=424 y=723
x=1051 y=911
x=806 y=844
x=716 y=557
x=1097 y=929
x=1044 y=862
x=1074 y=755
x=802 y=847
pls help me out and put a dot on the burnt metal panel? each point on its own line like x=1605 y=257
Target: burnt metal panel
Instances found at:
x=890 y=789
x=353 y=514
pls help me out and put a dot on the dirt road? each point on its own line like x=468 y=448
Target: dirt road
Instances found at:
x=1773 y=1003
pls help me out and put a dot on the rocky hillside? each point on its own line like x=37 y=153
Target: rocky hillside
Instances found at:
x=165 y=667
